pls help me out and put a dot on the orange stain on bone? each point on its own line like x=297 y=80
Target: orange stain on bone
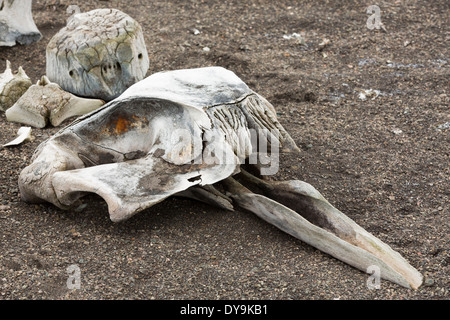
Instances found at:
x=121 y=125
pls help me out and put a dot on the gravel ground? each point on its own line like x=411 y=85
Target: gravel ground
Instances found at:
x=380 y=156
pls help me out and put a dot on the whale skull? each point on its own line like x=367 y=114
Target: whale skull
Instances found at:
x=189 y=133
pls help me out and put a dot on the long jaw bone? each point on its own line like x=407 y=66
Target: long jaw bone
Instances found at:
x=301 y=211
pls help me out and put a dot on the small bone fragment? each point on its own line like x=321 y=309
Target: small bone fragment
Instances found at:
x=23 y=134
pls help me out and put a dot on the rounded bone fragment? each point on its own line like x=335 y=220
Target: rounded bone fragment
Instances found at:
x=17 y=24
x=12 y=86
x=99 y=54
x=46 y=102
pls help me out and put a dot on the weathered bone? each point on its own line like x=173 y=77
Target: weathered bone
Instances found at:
x=17 y=24
x=128 y=153
x=98 y=54
x=46 y=102
x=12 y=86
x=301 y=211
x=23 y=134
x=210 y=195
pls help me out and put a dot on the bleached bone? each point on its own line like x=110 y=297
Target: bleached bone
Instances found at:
x=128 y=152
x=12 y=86
x=23 y=134
x=301 y=211
x=98 y=54
x=46 y=102
x=17 y=24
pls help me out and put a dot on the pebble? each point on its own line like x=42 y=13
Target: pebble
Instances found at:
x=444 y=126
x=81 y=207
x=428 y=282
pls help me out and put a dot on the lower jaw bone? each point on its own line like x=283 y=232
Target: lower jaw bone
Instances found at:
x=301 y=211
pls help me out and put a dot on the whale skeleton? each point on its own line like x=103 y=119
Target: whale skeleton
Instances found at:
x=191 y=133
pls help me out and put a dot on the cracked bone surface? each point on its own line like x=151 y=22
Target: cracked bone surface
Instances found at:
x=187 y=133
x=12 y=86
x=99 y=54
x=45 y=102
x=16 y=23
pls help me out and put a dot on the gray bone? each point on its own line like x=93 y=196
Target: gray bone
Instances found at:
x=98 y=54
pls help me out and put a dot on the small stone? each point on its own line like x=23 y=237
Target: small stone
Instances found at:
x=444 y=126
x=244 y=48
x=428 y=282
x=81 y=207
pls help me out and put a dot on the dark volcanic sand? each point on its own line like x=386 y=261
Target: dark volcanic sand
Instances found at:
x=383 y=161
